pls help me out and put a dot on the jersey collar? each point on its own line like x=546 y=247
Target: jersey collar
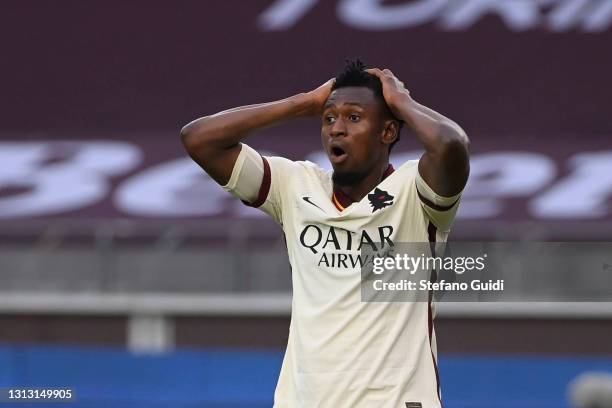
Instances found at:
x=341 y=200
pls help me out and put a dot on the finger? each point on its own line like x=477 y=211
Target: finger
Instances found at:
x=371 y=71
x=390 y=74
x=375 y=71
x=384 y=75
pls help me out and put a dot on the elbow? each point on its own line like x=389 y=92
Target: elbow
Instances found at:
x=188 y=135
x=454 y=140
x=186 y=132
x=452 y=149
x=192 y=137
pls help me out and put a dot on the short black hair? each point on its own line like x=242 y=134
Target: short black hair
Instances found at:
x=354 y=74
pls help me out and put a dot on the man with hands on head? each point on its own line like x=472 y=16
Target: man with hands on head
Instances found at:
x=343 y=352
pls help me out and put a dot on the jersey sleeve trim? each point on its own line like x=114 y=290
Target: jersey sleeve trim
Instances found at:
x=433 y=200
x=433 y=205
x=264 y=189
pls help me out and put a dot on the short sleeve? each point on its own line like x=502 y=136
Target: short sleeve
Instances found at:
x=247 y=175
x=261 y=181
x=440 y=210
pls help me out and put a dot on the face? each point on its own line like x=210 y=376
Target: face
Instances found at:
x=356 y=133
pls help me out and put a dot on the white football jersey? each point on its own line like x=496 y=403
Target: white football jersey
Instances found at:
x=343 y=352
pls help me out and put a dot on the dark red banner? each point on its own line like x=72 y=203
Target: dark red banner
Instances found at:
x=136 y=177
x=94 y=95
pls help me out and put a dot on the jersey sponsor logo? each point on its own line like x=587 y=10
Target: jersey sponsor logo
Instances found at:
x=307 y=199
x=380 y=199
x=335 y=247
x=414 y=405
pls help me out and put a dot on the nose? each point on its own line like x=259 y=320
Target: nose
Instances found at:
x=338 y=128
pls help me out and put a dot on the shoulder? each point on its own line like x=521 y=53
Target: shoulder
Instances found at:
x=290 y=176
x=297 y=168
x=404 y=175
x=410 y=167
x=312 y=168
x=315 y=174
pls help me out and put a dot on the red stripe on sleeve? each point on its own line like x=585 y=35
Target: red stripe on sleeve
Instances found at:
x=433 y=205
x=431 y=233
x=264 y=189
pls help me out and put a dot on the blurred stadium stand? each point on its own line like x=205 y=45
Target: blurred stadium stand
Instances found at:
x=111 y=237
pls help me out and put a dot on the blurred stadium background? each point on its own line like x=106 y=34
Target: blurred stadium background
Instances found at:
x=128 y=275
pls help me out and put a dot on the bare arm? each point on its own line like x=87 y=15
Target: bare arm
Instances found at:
x=445 y=165
x=214 y=141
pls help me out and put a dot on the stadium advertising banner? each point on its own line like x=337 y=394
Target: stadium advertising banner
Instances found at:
x=103 y=178
x=90 y=121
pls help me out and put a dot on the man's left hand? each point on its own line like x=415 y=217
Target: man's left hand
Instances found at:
x=394 y=91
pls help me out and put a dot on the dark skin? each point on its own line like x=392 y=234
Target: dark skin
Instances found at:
x=445 y=165
x=355 y=121
x=214 y=141
x=356 y=133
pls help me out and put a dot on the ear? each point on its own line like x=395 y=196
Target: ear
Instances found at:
x=390 y=131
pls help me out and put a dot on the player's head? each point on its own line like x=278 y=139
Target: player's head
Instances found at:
x=358 y=129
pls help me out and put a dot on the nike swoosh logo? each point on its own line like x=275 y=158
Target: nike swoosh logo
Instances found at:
x=307 y=199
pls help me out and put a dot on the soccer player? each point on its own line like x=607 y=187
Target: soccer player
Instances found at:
x=343 y=352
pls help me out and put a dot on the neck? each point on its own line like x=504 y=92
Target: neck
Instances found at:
x=362 y=187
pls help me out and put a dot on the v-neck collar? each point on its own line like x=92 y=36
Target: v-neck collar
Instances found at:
x=341 y=200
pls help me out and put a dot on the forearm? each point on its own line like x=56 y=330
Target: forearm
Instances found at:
x=226 y=129
x=445 y=164
x=435 y=131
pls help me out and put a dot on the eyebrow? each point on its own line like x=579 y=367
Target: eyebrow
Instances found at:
x=329 y=104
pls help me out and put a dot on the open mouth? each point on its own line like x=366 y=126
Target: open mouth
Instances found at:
x=337 y=154
x=337 y=151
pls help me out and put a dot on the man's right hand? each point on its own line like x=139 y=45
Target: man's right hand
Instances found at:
x=319 y=96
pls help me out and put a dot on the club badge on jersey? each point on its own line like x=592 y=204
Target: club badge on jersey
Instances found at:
x=380 y=199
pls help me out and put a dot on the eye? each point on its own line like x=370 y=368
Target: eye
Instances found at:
x=329 y=119
x=353 y=117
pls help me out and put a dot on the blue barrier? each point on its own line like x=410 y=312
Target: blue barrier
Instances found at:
x=115 y=378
